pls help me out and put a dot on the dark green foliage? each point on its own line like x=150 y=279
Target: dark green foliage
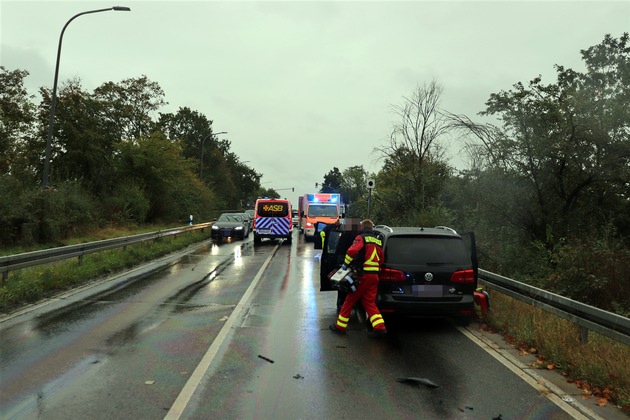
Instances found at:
x=111 y=162
x=268 y=192
x=35 y=215
x=591 y=270
x=17 y=114
x=155 y=166
x=332 y=182
x=128 y=205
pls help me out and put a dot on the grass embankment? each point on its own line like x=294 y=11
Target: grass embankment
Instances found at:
x=32 y=284
x=600 y=367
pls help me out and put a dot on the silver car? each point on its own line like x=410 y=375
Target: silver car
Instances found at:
x=230 y=225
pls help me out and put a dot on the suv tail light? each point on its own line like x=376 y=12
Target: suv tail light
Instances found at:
x=389 y=274
x=463 y=276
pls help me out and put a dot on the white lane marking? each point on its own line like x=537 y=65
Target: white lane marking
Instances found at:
x=178 y=407
x=553 y=393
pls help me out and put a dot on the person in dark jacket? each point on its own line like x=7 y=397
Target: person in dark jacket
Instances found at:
x=366 y=255
x=327 y=229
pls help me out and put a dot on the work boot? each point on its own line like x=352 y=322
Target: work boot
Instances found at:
x=336 y=330
x=377 y=334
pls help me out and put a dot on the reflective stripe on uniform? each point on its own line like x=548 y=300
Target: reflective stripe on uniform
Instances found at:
x=372 y=263
x=376 y=319
x=342 y=322
x=373 y=240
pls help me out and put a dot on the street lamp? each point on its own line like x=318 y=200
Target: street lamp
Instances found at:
x=202 y=143
x=53 y=102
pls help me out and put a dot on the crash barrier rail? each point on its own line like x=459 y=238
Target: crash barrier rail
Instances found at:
x=30 y=259
x=587 y=317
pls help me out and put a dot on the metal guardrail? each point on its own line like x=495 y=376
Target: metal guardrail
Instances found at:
x=585 y=316
x=45 y=256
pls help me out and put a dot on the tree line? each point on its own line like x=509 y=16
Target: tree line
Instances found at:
x=547 y=191
x=115 y=159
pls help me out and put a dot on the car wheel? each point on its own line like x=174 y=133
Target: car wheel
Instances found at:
x=257 y=239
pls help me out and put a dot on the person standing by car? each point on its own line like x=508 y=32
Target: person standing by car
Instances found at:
x=327 y=229
x=366 y=255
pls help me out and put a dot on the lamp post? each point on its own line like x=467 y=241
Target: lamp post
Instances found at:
x=53 y=100
x=202 y=143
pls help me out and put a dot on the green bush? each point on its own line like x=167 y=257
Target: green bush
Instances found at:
x=128 y=205
x=14 y=215
x=593 y=271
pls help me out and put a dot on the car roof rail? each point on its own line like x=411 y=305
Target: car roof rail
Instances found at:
x=384 y=227
x=446 y=228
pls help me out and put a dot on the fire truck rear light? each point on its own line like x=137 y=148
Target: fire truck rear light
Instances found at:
x=463 y=276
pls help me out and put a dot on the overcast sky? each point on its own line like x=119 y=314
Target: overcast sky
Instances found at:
x=302 y=87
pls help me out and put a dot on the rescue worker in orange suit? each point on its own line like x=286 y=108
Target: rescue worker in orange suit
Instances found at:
x=365 y=253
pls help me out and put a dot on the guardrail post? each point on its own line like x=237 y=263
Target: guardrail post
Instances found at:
x=80 y=259
x=5 y=277
x=583 y=335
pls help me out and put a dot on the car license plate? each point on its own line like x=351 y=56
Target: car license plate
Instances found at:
x=432 y=290
x=264 y=231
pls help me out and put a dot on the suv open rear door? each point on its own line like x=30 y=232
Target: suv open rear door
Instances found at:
x=471 y=246
x=336 y=243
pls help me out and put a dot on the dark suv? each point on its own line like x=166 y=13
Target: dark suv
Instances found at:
x=426 y=271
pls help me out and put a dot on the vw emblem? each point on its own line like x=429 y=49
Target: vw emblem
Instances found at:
x=428 y=277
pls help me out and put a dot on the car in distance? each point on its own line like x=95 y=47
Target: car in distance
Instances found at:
x=230 y=225
x=425 y=272
x=295 y=217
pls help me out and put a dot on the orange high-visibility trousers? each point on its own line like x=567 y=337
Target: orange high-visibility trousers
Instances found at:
x=366 y=293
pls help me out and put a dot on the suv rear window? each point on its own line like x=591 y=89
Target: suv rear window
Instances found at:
x=266 y=209
x=426 y=250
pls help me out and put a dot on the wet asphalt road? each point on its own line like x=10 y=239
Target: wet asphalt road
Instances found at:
x=234 y=331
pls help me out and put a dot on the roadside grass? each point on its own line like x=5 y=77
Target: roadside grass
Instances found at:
x=599 y=367
x=31 y=284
